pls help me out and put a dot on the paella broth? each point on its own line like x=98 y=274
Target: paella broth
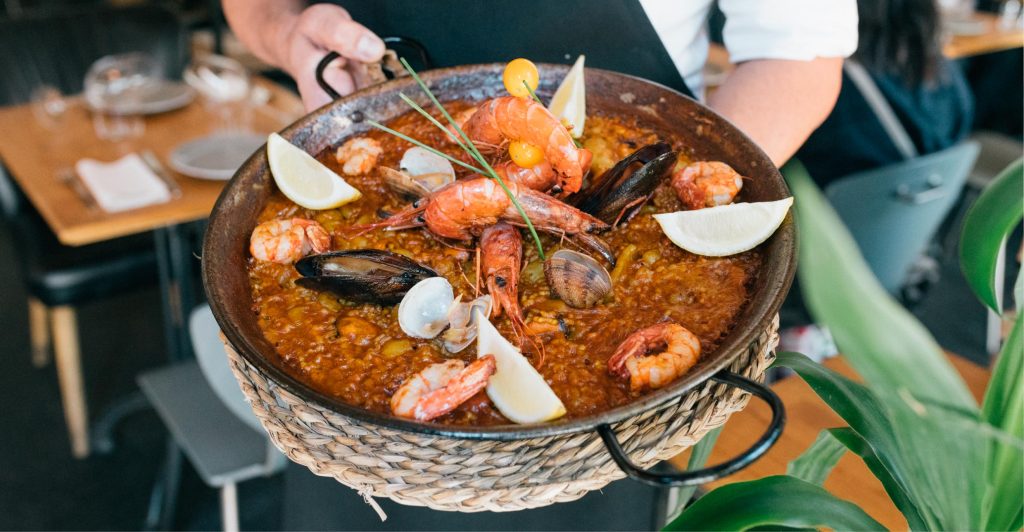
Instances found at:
x=358 y=354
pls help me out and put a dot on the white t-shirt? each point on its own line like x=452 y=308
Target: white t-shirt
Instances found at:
x=754 y=29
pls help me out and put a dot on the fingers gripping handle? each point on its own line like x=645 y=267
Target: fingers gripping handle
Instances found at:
x=411 y=44
x=707 y=474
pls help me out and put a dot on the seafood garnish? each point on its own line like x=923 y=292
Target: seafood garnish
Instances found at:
x=365 y=276
x=358 y=155
x=618 y=192
x=441 y=388
x=655 y=356
x=511 y=118
x=576 y=278
x=706 y=184
x=285 y=241
x=423 y=312
x=464 y=208
x=462 y=323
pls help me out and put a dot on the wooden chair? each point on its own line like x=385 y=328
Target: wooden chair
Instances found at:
x=56 y=49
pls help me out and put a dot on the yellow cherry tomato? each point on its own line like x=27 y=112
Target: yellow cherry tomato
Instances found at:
x=516 y=72
x=524 y=154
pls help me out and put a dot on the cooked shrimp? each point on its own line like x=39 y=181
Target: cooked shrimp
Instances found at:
x=460 y=118
x=522 y=119
x=636 y=359
x=501 y=248
x=441 y=388
x=464 y=208
x=286 y=241
x=706 y=184
x=541 y=177
x=358 y=155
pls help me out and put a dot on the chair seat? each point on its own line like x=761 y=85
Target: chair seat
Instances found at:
x=220 y=446
x=62 y=275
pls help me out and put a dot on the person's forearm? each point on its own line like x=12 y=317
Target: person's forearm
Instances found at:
x=779 y=103
x=260 y=24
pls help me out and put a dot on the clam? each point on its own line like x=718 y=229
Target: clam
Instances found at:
x=463 y=324
x=423 y=312
x=617 y=193
x=420 y=173
x=364 y=276
x=577 y=279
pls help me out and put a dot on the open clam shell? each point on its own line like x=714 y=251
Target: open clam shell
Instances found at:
x=463 y=325
x=423 y=312
x=577 y=279
x=420 y=173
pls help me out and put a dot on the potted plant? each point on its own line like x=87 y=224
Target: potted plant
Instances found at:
x=946 y=462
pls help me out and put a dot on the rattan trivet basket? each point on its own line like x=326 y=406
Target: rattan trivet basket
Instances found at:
x=476 y=475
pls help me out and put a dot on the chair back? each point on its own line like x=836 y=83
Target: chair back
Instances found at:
x=56 y=47
x=209 y=350
x=893 y=212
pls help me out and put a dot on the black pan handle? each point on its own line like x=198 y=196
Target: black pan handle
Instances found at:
x=707 y=474
x=412 y=44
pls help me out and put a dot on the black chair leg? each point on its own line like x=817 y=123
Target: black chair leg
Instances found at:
x=163 y=500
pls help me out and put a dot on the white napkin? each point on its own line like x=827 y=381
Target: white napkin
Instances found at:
x=122 y=185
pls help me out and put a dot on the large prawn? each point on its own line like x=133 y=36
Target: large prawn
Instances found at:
x=522 y=119
x=464 y=208
x=501 y=248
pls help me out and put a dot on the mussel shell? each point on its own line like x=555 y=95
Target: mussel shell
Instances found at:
x=364 y=275
x=638 y=185
x=591 y=199
x=577 y=279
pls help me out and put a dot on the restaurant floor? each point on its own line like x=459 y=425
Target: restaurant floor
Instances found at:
x=42 y=487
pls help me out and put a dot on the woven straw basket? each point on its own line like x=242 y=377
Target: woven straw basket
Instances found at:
x=475 y=475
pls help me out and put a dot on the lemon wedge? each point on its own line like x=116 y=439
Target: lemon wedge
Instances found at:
x=724 y=230
x=305 y=180
x=516 y=388
x=569 y=104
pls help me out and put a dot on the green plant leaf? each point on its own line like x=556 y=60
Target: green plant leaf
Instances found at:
x=881 y=340
x=1003 y=407
x=815 y=464
x=860 y=408
x=932 y=453
x=857 y=445
x=988 y=222
x=772 y=501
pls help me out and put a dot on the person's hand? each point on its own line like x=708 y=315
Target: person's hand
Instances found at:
x=319 y=29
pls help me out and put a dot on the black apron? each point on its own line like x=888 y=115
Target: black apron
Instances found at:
x=613 y=34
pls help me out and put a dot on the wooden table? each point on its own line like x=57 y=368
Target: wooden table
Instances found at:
x=36 y=154
x=995 y=38
x=806 y=416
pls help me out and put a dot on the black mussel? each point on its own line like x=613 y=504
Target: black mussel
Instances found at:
x=364 y=275
x=618 y=192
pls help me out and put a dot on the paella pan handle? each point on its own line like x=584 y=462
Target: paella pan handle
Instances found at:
x=707 y=474
x=403 y=42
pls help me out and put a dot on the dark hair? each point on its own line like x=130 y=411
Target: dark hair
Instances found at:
x=901 y=38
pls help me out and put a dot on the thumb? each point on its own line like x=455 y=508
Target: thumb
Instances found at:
x=330 y=27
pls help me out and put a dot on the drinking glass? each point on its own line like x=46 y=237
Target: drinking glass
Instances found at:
x=225 y=86
x=114 y=87
x=49 y=106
